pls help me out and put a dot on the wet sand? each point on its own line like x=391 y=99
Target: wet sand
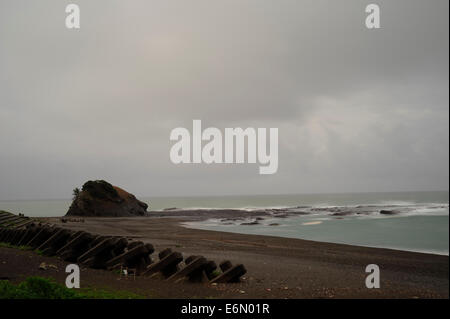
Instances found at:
x=283 y=267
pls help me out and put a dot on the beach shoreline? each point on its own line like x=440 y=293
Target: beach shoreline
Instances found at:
x=282 y=267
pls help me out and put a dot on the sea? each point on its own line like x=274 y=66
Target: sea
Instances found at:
x=412 y=221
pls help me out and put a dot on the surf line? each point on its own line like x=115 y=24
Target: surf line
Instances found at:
x=228 y=149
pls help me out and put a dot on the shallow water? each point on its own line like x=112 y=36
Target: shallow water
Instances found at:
x=427 y=234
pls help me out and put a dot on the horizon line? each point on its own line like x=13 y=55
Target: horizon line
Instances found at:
x=243 y=195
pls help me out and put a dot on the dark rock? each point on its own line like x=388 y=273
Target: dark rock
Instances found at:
x=101 y=199
x=231 y=219
x=251 y=223
x=301 y=213
x=388 y=212
x=341 y=213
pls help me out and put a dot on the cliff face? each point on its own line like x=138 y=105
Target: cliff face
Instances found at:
x=101 y=199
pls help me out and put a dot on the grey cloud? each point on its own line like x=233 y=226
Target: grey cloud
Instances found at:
x=357 y=109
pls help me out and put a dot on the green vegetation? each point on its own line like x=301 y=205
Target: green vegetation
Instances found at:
x=23 y=247
x=43 y=288
x=6 y=245
x=39 y=252
x=9 y=223
x=75 y=193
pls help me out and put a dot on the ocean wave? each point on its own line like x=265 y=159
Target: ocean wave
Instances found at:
x=272 y=215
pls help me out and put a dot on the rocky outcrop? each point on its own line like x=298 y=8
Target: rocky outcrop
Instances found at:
x=388 y=212
x=101 y=199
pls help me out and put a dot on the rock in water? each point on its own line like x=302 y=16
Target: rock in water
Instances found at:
x=388 y=212
x=101 y=199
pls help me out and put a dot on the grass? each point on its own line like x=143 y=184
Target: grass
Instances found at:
x=9 y=223
x=6 y=245
x=43 y=288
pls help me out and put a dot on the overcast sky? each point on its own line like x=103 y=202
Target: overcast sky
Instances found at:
x=357 y=109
